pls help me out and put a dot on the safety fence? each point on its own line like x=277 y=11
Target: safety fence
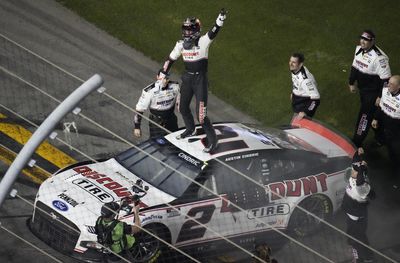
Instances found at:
x=215 y=212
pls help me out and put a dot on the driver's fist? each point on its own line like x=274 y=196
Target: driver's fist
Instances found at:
x=221 y=18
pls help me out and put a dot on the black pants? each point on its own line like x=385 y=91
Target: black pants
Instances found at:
x=299 y=107
x=196 y=84
x=169 y=122
x=358 y=230
x=365 y=116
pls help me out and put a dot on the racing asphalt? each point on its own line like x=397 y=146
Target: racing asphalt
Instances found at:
x=58 y=35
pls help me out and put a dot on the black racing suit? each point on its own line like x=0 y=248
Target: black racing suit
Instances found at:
x=161 y=101
x=388 y=116
x=195 y=81
x=371 y=71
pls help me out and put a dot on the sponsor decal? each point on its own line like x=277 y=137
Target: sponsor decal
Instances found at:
x=275 y=222
x=165 y=102
x=60 y=205
x=294 y=188
x=388 y=107
x=94 y=190
x=243 y=156
x=312 y=105
x=361 y=64
x=261 y=225
x=362 y=125
x=152 y=217
x=247 y=240
x=190 y=54
x=68 y=199
x=271 y=210
x=202 y=112
x=173 y=213
x=189 y=159
x=102 y=179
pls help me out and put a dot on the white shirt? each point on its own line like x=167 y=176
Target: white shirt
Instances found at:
x=390 y=104
x=304 y=84
x=358 y=193
x=196 y=53
x=373 y=62
x=155 y=98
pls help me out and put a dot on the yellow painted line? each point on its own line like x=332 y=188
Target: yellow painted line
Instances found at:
x=36 y=174
x=45 y=150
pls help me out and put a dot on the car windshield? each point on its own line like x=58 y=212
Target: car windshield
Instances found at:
x=164 y=167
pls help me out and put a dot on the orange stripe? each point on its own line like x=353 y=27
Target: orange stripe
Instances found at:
x=325 y=132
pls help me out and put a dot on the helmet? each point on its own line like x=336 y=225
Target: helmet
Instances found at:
x=191 y=28
x=109 y=209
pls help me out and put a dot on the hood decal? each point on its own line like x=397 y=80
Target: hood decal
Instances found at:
x=94 y=190
x=60 y=205
x=102 y=179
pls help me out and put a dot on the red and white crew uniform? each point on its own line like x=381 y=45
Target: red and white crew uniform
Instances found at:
x=160 y=97
x=305 y=95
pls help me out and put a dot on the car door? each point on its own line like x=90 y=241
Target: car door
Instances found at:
x=201 y=207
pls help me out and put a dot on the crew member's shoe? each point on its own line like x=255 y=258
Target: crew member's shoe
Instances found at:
x=210 y=148
x=186 y=134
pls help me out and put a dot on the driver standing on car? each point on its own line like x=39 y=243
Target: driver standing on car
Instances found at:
x=116 y=235
x=161 y=97
x=355 y=204
x=305 y=96
x=194 y=50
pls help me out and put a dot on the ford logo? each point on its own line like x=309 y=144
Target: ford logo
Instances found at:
x=60 y=205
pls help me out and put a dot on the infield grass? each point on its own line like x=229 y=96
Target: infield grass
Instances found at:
x=248 y=65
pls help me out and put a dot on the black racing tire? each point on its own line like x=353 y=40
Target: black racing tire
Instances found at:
x=302 y=224
x=148 y=248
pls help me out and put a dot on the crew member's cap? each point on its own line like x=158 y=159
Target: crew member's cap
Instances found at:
x=368 y=35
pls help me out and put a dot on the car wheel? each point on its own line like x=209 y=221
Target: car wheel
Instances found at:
x=148 y=248
x=303 y=224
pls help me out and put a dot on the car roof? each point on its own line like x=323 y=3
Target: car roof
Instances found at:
x=232 y=138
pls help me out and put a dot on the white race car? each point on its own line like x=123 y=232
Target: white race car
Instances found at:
x=253 y=182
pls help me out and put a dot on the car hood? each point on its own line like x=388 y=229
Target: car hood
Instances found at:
x=79 y=193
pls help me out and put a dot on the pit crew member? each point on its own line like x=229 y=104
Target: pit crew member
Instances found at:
x=388 y=115
x=305 y=96
x=370 y=71
x=355 y=204
x=161 y=97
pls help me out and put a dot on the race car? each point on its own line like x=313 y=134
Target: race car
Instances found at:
x=255 y=181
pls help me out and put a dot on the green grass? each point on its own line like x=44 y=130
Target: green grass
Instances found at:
x=248 y=64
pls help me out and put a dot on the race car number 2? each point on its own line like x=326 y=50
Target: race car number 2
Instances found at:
x=194 y=227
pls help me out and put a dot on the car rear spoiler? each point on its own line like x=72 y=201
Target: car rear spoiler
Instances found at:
x=333 y=136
